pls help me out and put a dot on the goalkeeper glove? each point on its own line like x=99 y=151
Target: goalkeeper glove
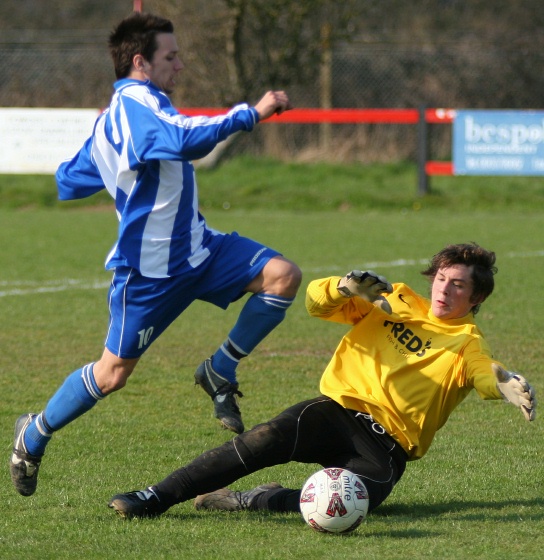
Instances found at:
x=516 y=390
x=368 y=285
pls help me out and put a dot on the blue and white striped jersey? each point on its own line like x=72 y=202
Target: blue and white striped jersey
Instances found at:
x=141 y=151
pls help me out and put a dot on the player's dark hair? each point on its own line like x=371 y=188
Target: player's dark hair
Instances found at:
x=481 y=260
x=136 y=34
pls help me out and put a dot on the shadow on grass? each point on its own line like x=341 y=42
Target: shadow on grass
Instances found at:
x=401 y=513
x=285 y=520
x=467 y=510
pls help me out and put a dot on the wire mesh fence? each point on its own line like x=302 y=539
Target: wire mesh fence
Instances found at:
x=73 y=69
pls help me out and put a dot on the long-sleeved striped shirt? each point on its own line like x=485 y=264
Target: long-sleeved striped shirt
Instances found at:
x=141 y=151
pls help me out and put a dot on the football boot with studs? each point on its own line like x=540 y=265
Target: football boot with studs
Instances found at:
x=140 y=503
x=223 y=394
x=23 y=466
x=229 y=500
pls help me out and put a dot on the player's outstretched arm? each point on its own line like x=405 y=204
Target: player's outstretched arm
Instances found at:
x=516 y=390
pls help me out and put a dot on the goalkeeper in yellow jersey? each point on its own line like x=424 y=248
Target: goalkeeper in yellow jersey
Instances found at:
x=392 y=382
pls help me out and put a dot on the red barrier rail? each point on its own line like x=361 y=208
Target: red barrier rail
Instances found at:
x=439 y=168
x=349 y=116
x=333 y=116
x=439 y=116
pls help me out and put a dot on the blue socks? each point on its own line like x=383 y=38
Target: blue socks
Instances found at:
x=78 y=394
x=259 y=316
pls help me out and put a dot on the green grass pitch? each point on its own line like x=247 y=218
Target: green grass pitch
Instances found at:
x=478 y=493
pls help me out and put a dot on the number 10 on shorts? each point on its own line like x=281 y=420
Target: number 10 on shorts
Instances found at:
x=145 y=335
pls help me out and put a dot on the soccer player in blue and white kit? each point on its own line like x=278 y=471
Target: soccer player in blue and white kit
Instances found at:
x=166 y=256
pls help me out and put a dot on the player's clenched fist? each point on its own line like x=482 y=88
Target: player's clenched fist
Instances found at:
x=273 y=102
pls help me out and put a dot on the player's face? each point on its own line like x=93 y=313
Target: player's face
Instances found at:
x=451 y=293
x=165 y=63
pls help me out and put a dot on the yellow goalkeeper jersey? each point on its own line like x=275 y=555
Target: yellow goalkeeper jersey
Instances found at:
x=409 y=370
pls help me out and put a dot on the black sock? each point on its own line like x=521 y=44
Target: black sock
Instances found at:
x=278 y=499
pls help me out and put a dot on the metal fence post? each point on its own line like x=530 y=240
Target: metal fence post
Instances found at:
x=423 y=187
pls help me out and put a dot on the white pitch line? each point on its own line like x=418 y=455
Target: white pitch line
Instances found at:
x=29 y=287
x=370 y=265
x=416 y=262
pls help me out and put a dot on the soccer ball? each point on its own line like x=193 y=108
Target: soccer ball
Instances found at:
x=334 y=501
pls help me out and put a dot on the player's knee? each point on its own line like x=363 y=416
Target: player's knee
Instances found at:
x=286 y=278
x=294 y=277
x=118 y=381
x=263 y=445
x=112 y=377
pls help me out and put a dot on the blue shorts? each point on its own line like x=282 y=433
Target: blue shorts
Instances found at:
x=142 y=308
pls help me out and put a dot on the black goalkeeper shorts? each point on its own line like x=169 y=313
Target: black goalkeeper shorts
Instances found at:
x=322 y=431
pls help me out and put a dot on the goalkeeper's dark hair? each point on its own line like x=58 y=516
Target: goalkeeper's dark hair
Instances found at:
x=136 y=34
x=471 y=254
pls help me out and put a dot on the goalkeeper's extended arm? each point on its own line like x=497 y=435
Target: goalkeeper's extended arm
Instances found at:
x=516 y=390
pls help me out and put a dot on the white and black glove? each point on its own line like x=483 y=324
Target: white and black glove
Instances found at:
x=516 y=390
x=367 y=285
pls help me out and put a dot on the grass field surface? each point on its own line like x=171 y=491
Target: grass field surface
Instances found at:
x=478 y=493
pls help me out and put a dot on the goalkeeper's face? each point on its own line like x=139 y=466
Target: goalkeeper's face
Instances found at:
x=451 y=293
